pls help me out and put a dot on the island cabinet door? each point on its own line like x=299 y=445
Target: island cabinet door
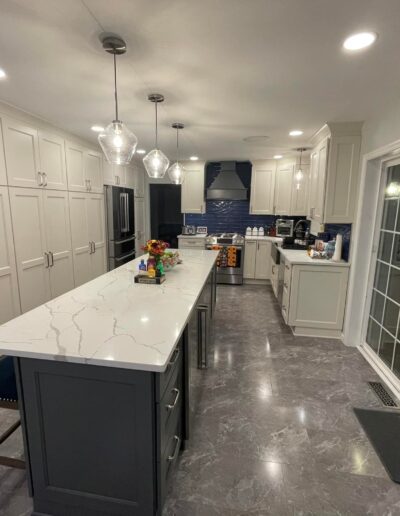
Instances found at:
x=88 y=455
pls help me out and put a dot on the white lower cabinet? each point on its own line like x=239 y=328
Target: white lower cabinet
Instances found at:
x=257 y=260
x=314 y=299
x=88 y=236
x=30 y=246
x=42 y=244
x=3 y=172
x=9 y=298
x=58 y=241
x=140 y=229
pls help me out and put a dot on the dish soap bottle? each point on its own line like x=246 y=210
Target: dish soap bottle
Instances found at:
x=142 y=267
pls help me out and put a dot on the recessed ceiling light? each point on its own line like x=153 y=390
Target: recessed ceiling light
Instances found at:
x=359 y=40
x=141 y=151
x=193 y=158
x=256 y=139
x=3 y=74
x=97 y=128
x=278 y=156
x=296 y=132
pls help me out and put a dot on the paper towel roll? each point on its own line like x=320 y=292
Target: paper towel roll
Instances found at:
x=337 y=255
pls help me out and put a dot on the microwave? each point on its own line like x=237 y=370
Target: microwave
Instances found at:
x=284 y=227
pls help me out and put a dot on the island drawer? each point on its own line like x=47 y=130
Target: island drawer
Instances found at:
x=163 y=379
x=170 y=408
x=169 y=459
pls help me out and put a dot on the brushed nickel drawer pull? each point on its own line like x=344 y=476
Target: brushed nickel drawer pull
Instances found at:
x=171 y=406
x=174 y=357
x=176 y=451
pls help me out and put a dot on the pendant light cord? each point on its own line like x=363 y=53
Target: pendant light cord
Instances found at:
x=156 y=125
x=115 y=87
x=177 y=144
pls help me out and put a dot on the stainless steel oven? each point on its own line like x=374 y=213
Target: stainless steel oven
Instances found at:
x=231 y=257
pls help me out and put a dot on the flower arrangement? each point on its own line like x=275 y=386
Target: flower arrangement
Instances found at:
x=170 y=259
x=155 y=248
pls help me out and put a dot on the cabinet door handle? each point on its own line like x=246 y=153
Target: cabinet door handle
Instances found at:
x=285 y=285
x=90 y=247
x=40 y=178
x=176 y=451
x=287 y=267
x=94 y=247
x=90 y=185
x=46 y=257
x=51 y=255
x=172 y=405
x=45 y=179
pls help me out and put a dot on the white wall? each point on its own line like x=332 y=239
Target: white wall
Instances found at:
x=381 y=130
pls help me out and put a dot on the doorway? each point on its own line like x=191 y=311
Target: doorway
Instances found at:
x=166 y=218
x=381 y=327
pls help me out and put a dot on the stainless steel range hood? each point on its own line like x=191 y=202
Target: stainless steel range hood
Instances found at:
x=227 y=186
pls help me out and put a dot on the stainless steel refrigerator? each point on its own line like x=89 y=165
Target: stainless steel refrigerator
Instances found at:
x=120 y=217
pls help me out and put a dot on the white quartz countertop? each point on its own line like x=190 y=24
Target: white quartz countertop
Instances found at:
x=265 y=237
x=197 y=235
x=112 y=321
x=301 y=257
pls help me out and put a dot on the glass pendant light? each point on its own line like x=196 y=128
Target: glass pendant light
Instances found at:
x=117 y=141
x=176 y=171
x=156 y=162
x=299 y=174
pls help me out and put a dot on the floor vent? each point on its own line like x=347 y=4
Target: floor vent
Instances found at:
x=382 y=394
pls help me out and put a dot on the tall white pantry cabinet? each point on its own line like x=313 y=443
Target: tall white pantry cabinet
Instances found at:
x=41 y=175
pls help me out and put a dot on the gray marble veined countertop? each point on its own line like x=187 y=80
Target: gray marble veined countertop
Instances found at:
x=112 y=321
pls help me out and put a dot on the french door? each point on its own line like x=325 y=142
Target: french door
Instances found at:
x=382 y=315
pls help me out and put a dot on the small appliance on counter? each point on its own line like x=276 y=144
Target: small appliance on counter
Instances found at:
x=284 y=227
x=188 y=230
x=201 y=230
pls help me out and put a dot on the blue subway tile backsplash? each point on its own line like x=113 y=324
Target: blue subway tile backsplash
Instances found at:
x=234 y=216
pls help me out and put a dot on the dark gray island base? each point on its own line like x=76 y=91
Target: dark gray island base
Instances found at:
x=103 y=441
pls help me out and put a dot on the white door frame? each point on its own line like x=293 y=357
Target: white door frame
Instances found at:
x=362 y=248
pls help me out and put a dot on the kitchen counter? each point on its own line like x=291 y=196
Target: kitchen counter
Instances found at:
x=112 y=321
x=297 y=257
x=266 y=238
x=197 y=235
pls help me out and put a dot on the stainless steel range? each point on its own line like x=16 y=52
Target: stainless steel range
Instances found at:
x=231 y=256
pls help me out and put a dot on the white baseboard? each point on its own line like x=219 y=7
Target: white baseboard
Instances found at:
x=381 y=369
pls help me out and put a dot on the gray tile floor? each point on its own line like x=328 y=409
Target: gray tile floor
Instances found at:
x=275 y=433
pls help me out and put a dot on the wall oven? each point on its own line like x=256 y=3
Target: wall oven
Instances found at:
x=231 y=257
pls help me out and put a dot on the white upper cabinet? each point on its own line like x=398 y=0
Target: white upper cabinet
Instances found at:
x=22 y=154
x=84 y=169
x=135 y=178
x=9 y=295
x=334 y=173
x=30 y=246
x=283 y=188
x=93 y=171
x=75 y=167
x=300 y=191
x=262 y=187
x=192 y=198
x=115 y=174
x=58 y=241
x=3 y=172
x=52 y=161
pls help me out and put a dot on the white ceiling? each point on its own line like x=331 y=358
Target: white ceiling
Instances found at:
x=228 y=68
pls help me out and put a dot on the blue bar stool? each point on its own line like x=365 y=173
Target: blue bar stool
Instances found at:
x=9 y=400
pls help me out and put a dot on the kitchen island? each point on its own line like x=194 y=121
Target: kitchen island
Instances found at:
x=104 y=388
